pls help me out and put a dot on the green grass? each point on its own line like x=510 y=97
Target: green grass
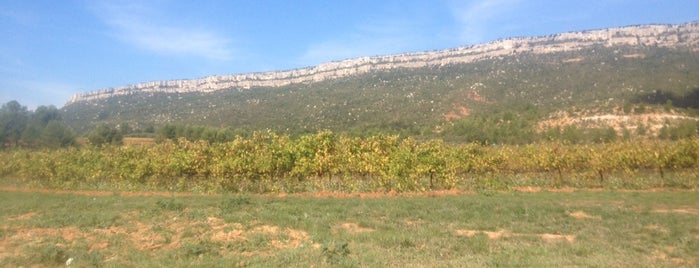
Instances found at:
x=542 y=229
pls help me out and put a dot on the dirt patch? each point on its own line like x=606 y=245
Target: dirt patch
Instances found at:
x=435 y=193
x=656 y=228
x=497 y=235
x=30 y=234
x=578 y=59
x=439 y=193
x=224 y=236
x=341 y=195
x=468 y=233
x=352 y=228
x=555 y=238
x=99 y=246
x=16 y=240
x=634 y=56
x=579 y=214
x=280 y=238
x=95 y=193
x=665 y=256
x=380 y=194
x=170 y=234
x=656 y=190
x=562 y=190
x=527 y=189
x=55 y=191
x=161 y=194
x=457 y=113
x=413 y=223
x=290 y=238
x=690 y=211
x=7 y=247
x=494 y=235
x=475 y=95
x=595 y=204
x=138 y=141
x=142 y=236
x=23 y=217
x=652 y=121
x=491 y=235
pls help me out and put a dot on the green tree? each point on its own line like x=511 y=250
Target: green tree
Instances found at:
x=56 y=134
x=36 y=134
x=105 y=134
x=168 y=132
x=125 y=128
x=13 y=121
x=45 y=114
x=31 y=136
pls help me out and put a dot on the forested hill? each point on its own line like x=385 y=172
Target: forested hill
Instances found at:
x=527 y=81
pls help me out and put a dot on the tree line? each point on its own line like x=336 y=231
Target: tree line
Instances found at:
x=42 y=127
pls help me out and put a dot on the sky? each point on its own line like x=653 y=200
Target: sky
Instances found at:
x=51 y=50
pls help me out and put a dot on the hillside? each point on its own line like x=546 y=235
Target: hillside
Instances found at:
x=614 y=71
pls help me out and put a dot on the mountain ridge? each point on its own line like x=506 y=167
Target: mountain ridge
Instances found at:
x=660 y=35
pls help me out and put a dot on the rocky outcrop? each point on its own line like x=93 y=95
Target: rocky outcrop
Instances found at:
x=644 y=35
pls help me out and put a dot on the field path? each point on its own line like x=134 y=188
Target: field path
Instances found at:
x=326 y=194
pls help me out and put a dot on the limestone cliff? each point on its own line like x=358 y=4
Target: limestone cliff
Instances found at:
x=680 y=35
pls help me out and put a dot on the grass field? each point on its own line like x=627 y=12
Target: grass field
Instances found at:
x=538 y=229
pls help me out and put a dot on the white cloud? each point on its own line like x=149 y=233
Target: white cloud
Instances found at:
x=147 y=28
x=476 y=17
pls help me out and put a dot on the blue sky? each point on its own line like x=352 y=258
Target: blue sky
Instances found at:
x=51 y=50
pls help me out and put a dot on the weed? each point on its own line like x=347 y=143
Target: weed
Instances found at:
x=406 y=243
x=91 y=259
x=256 y=241
x=233 y=204
x=486 y=191
x=171 y=205
x=335 y=252
x=53 y=254
x=478 y=244
x=200 y=248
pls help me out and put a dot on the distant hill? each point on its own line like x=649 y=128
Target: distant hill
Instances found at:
x=555 y=80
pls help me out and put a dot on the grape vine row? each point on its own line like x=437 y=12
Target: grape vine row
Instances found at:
x=269 y=162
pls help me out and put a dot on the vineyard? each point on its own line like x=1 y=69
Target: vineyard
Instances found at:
x=326 y=161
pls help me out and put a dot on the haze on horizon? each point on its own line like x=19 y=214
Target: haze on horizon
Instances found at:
x=59 y=48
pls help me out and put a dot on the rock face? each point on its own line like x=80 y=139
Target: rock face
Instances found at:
x=681 y=35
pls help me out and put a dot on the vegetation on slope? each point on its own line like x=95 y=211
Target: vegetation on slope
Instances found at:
x=424 y=101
